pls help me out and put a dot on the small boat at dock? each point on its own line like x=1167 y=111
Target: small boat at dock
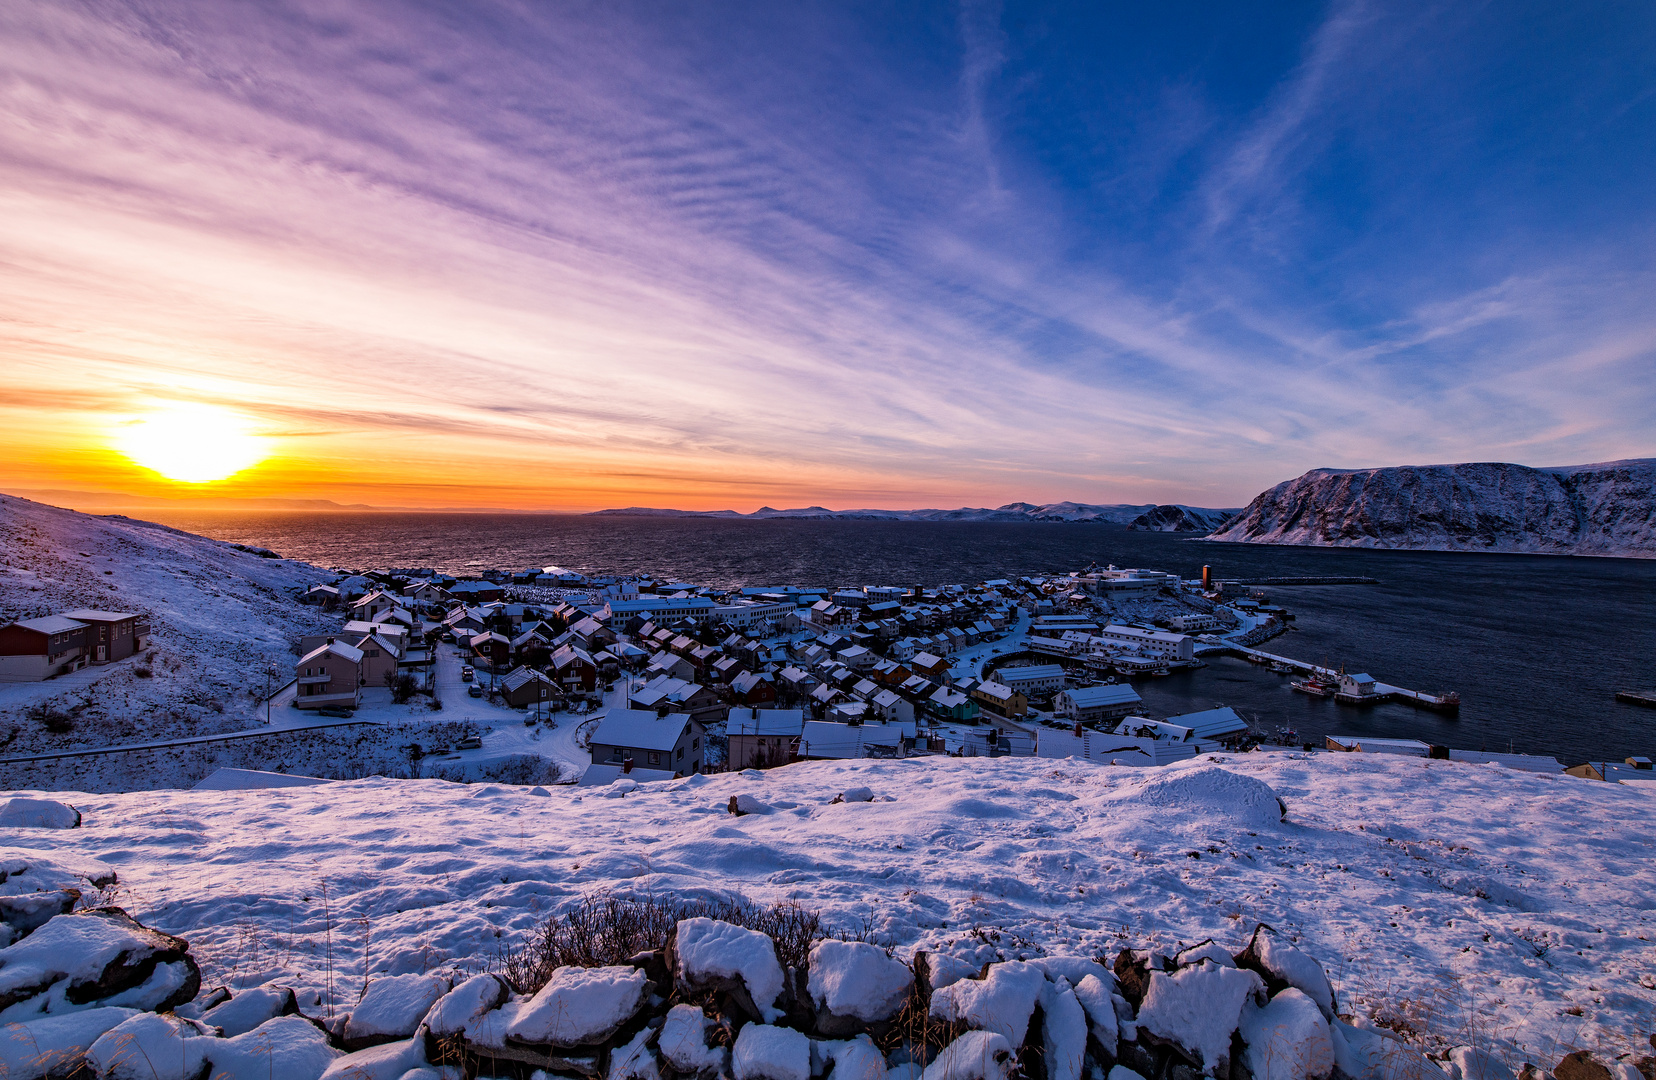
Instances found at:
x=1317 y=686
x=1281 y=668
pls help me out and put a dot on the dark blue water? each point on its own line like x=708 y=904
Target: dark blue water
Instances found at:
x=1537 y=646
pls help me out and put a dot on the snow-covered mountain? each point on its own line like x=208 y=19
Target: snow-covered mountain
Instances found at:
x=1181 y=519
x=219 y=614
x=1603 y=509
x=1114 y=513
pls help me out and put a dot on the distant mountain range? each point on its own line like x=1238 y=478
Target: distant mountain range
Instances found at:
x=1603 y=509
x=1166 y=518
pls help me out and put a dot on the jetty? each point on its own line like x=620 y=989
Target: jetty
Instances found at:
x=1448 y=703
x=1299 y=581
x=1647 y=698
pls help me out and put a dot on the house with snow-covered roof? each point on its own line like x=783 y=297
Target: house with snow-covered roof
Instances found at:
x=1107 y=703
x=762 y=737
x=329 y=675
x=630 y=741
x=36 y=649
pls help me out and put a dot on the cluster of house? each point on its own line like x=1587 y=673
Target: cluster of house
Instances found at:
x=51 y=645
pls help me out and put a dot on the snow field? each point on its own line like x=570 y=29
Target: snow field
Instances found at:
x=1467 y=904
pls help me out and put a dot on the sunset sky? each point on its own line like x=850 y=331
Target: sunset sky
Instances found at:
x=577 y=255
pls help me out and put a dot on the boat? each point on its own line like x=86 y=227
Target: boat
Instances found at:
x=1317 y=686
x=1286 y=736
x=1281 y=668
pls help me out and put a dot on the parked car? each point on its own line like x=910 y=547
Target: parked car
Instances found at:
x=340 y=713
x=467 y=674
x=473 y=743
x=475 y=690
x=448 y=638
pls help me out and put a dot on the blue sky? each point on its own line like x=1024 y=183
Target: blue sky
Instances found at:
x=572 y=255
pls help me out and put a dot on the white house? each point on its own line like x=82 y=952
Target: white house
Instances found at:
x=1097 y=704
x=1033 y=679
x=641 y=744
x=1156 y=643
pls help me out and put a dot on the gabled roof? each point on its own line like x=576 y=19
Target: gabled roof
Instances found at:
x=338 y=648
x=521 y=675
x=94 y=615
x=1212 y=723
x=639 y=729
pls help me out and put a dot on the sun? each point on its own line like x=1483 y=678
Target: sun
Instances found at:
x=193 y=444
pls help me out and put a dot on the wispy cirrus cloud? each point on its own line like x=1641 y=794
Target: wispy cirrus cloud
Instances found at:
x=594 y=245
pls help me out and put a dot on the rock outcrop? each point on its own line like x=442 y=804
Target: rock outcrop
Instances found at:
x=1606 y=509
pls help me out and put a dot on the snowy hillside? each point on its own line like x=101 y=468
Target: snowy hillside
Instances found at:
x=218 y=617
x=1116 y=513
x=1181 y=519
x=1606 y=509
x=1456 y=902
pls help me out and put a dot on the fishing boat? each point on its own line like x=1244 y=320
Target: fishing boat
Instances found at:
x=1318 y=685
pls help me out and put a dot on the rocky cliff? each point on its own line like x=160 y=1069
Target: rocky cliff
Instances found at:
x=1604 y=509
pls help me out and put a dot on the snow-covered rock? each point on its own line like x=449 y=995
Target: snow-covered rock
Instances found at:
x=707 y=952
x=856 y=981
x=1366 y=1054
x=290 y=1047
x=579 y=1006
x=943 y=969
x=388 y=1061
x=857 y=1059
x=1604 y=509
x=250 y=1008
x=765 y=1052
x=683 y=1042
x=634 y=1060
x=1073 y=969
x=94 y=957
x=1477 y=1063
x=1204 y=950
x=462 y=1006
x=1283 y=964
x=857 y=794
x=976 y=1055
x=151 y=1046
x=22 y=813
x=1288 y=1039
x=1001 y=1002
x=1198 y=1009
x=392 y=1008
x=1063 y=1031
x=24 y=913
x=53 y=1046
x=1096 y=998
x=744 y=803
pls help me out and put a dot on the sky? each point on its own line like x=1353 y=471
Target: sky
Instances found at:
x=572 y=255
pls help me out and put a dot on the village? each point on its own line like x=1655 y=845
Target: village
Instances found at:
x=662 y=679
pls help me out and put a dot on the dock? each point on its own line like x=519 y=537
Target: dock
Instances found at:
x=1299 y=581
x=1382 y=691
x=1647 y=698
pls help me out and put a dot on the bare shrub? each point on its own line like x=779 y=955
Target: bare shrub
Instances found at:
x=607 y=929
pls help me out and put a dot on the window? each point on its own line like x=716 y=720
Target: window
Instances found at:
x=695 y=744
x=655 y=758
x=681 y=753
x=615 y=755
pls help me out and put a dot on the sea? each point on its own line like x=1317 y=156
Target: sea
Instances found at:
x=1536 y=646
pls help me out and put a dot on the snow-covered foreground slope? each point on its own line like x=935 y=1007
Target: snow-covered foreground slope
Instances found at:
x=1466 y=903
x=218 y=617
x=1607 y=509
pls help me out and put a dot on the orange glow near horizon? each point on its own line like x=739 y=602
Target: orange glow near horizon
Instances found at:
x=192 y=443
